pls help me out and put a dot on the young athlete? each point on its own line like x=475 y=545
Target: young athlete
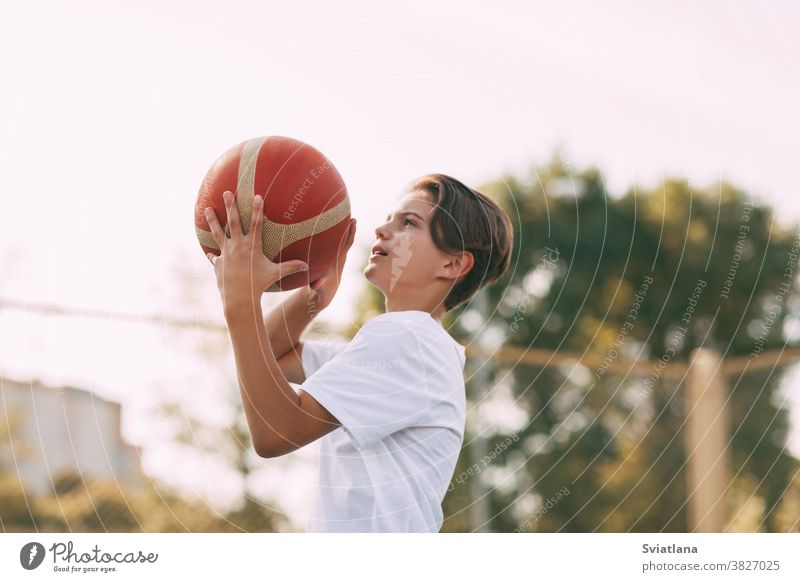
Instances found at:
x=396 y=390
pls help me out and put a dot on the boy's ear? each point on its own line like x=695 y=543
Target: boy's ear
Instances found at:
x=459 y=265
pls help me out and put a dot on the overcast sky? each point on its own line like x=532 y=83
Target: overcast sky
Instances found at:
x=114 y=111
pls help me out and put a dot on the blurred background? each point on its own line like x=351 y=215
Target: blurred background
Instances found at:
x=636 y=369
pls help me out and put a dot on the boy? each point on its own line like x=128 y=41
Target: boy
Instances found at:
x=397 y=389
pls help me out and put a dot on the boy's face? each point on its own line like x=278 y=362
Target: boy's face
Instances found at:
x=412 y=263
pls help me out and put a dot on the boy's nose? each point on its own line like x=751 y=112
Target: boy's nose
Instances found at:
x=381 y=232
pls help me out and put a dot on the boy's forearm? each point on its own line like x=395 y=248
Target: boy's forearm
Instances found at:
x=286 y=321
x=269 y=401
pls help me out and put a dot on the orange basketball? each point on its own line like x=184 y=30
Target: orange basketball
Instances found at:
x=306 y=206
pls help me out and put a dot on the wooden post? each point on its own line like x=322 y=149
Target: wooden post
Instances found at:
x=706 y=442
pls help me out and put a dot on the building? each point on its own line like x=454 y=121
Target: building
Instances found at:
x=55 y=429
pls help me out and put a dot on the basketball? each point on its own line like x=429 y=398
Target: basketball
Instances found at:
x=306 y=206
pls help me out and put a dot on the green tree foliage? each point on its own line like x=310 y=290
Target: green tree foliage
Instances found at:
x=78 y=505
x=614 y=440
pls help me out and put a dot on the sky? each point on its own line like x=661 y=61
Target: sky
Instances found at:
x=113 y=112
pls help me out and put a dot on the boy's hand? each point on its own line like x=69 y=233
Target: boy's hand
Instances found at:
x=243 y=271
x=324 y=288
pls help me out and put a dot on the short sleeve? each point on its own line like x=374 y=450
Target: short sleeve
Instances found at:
x=376 y=385
x=315 y=353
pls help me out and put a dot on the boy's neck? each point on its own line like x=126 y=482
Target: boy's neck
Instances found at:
x=437 y=313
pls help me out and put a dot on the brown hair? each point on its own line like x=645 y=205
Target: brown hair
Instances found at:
x=466 y=220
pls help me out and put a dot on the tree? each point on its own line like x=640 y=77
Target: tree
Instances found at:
x=581 y=260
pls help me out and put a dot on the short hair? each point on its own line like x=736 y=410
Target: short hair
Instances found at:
x=467 y=220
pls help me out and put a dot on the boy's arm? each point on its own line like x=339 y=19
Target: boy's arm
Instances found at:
x=286 y=321
x=298 y=419
x=291 y=364
x=275 y=412
x=280 y=419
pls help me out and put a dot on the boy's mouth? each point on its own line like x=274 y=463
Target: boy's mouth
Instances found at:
x=378 y=251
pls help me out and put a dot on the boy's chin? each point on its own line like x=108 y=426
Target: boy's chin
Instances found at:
x=371 y=275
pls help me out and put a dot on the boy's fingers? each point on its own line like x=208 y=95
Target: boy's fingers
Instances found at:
x=233 y=215
x=257 y=225
x=351 y=234
x=290 y=267
x=216 y=229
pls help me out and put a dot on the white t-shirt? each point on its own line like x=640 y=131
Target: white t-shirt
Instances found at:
x=397 y=388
